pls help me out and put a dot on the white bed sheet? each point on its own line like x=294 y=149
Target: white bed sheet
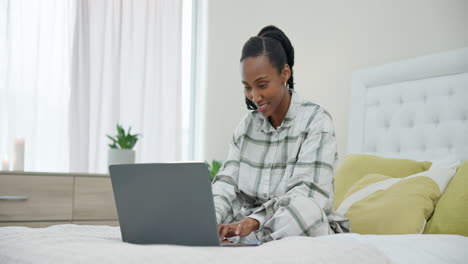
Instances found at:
x=414 y=248
x=102 y=244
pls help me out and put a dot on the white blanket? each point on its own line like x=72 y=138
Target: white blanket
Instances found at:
x=103 y=244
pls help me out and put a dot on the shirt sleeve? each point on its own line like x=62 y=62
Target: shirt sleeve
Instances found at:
x=260 y=217
x=225 y=184
x=314 y=170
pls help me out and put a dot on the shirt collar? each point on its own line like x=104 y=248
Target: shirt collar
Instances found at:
x=293 y=109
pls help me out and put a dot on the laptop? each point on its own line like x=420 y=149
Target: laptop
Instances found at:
x=166 y=203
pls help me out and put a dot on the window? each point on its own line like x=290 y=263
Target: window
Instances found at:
x=48 y=91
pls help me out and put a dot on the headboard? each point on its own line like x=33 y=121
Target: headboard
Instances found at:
x=415 y=109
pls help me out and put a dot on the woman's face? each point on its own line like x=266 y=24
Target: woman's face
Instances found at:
x=265 y=86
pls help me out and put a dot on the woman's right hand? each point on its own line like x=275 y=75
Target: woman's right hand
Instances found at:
x=242 y=228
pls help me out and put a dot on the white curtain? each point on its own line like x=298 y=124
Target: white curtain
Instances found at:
x=35 y=60
x=127 y=70
x=119 y=63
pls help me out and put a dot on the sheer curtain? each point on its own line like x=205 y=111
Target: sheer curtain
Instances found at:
x=35 y=59
x=111 y=61
x=126 y=69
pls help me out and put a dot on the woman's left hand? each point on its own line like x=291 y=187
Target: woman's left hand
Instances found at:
x=242 y=228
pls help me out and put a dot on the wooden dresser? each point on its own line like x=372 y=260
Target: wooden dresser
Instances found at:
x=38 y=199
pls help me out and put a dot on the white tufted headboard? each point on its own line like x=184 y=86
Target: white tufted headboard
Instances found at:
x=415 y=109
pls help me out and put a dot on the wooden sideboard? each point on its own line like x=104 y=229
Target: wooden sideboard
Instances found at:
x=37 y=199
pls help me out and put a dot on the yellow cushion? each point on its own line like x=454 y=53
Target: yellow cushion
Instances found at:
x=379 y=204
x=451 y=212
x=356 y=166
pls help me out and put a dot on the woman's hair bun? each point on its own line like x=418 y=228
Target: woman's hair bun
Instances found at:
x=277 y=34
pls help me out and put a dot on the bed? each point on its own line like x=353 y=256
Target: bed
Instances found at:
x=414 y=109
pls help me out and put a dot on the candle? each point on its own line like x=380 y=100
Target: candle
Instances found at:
x=18 y=155
x=5 y=164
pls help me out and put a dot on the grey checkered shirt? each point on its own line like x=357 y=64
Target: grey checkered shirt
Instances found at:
x=285 y=173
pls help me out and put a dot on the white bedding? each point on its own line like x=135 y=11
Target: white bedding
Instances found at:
x=102 y=244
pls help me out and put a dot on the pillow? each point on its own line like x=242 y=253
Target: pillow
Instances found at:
x=447 y=162
x=355 y=166
x=380 y=204
x=451 y=212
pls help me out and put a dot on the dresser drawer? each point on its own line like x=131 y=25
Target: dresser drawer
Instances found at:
x=94 y=199
x=35 y=198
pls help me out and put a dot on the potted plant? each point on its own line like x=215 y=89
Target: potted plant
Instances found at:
x=120 y=151
x=214 y=168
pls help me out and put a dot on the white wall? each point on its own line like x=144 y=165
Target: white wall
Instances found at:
x=331 y=39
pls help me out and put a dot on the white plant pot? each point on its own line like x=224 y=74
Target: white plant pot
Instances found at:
x=120 y=156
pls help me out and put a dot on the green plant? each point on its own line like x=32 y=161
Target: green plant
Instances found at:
x=123 y=140
x=214 y=168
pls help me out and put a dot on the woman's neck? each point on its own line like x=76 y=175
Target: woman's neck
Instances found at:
x=277 y=118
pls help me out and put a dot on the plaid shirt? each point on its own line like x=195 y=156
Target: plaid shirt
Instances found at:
x=265 y=166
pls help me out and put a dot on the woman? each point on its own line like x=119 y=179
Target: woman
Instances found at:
x=277 y=180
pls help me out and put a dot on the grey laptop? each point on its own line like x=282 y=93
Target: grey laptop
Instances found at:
x=165 y=203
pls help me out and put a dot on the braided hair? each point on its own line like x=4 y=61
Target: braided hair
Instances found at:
x=273 y=43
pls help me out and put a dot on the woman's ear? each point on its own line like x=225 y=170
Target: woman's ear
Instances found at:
x=286 y=73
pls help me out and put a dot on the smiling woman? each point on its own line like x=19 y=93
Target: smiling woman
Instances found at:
x=265 y=88
x=277 y=180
